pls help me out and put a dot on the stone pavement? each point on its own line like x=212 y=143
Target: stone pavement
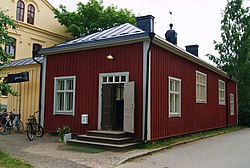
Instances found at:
x=47 y=152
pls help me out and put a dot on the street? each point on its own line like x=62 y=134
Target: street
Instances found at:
x=230 y=150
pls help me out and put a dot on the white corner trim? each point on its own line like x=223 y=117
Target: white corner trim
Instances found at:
x=43 y=91
x=145 y=48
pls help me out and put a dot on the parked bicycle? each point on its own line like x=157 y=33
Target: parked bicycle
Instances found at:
x=33 y=128
x=9 y=121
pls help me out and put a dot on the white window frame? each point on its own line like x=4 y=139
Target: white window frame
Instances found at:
x=114 y=76
x=64 y=112
x=174 y=114
x=231 y=104
x=222 y=100
x=198 y=100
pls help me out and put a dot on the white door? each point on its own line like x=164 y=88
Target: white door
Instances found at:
x=129 y=107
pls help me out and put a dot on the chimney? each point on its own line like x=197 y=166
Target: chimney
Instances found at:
x=145 y=23
x=193 y=49
x=171 y=35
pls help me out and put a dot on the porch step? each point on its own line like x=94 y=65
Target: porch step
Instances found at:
x=102 y=145
x=108 y=140
x=114 y=140
x=111 y=134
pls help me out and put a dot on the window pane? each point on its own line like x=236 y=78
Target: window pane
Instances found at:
x=171 y=85
x=69 y=84
x=104 y=79
x=69 y=101
x=171 y=103
x=123 y=78
x=60 y=101
x=177 y=103
x=60 y=85
x=117 y=78
x=12 y=51
x=111 y=79
x=177 y=86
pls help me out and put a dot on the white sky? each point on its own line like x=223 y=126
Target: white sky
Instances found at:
x=195 y=21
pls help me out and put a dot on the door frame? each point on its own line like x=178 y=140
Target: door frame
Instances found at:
x=101 y=76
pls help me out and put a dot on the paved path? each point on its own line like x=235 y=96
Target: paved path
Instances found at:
x=230 y=150
x=46 y=152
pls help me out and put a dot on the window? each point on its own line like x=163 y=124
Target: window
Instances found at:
x=201 y=87
x=232 y=104
x=64 y=95
x=114 y=78
x=20 y=11
x=174 y=97
x=36 y=48
x=221 y=92
x=31 y=14
x=11 y=48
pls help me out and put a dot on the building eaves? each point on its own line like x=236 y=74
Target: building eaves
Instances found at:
x=22 y=62
x=184 y=54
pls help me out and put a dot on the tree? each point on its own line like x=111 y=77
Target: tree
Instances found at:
x=6 y=23
x=234 y=52
x=92 y=17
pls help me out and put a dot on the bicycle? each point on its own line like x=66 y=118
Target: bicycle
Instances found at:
x=10 y=121
x=33 y=128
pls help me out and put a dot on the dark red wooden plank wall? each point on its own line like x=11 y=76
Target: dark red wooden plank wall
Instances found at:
x=194 y=117
x=86 y=66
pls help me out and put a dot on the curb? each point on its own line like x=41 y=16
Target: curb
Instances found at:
x=166 y=147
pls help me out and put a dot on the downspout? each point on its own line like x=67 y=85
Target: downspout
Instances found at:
x=227 y=112
x=151 y=37
x=40 y=88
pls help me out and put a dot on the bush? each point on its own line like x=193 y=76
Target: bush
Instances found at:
x=244 y=115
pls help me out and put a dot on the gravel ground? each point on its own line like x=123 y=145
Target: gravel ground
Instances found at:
x=47 y=152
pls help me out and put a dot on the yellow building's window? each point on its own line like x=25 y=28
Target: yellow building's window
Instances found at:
x=20 y=11
x=11 y=49
x=31 y=14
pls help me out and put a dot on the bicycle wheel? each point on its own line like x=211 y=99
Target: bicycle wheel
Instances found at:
x=4 y=130
x=30 y=134
x=19 y=126
x=39 y=130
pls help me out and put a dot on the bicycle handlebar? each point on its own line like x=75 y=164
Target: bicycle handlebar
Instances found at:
x=34 y=114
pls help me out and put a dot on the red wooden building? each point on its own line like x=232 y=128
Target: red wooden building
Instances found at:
x=124 y=80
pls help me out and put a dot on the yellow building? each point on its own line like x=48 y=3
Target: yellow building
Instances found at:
x=37 y=29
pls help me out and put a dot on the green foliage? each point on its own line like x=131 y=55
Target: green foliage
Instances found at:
x=62 y=130
x=234 y=51
x=9 y=162
x=5 y=23
x=92 y=17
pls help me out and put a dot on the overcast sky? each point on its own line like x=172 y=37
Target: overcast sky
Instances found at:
x=195 y=21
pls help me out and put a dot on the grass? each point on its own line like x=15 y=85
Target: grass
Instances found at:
x=84 y=149
x=185 y=138
x=9 y=162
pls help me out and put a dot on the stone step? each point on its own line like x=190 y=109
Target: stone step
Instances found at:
x=113 y=134
x=108 y=140
x=102 y=145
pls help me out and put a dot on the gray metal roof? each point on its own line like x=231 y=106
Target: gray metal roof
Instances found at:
x=123 y=33
x=117 y=33
x=22 y=62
